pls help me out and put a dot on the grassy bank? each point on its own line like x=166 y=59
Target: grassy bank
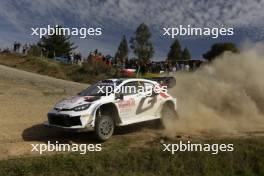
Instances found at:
x=87 y=73
x=247 y=160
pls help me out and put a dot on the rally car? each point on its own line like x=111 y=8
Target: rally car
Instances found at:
x=108 y=103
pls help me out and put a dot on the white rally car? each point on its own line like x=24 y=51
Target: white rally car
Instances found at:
x=98 y=109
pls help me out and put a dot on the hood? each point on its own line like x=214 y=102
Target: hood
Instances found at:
x=74 y=101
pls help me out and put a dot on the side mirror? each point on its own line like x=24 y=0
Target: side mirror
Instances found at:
x=119 y=96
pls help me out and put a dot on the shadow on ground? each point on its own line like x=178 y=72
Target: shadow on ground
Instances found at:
x=44 y=134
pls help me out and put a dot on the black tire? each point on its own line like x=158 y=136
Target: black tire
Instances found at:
x=104 y=127
x=168 y=114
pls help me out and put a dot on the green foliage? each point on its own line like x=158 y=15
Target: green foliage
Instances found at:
x=218 y=49
x=186 y=54
x=122 y=51
x=34 y=50
x=89 y=72
x=141 y=44
x=56 y=45
x=175 y=52
x=92 y=71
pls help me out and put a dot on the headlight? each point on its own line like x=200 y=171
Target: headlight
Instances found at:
x=81 y=107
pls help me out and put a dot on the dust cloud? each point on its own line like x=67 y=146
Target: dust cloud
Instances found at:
x=224 y=97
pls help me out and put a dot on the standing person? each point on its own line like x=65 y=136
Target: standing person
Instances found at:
x=194 y=66
x=79 y=58
x=174 y=69
x=18 y=47
x=24 y=48
x=168 y=69
x=15 y=46
x=177 y=66
x=187 y=67
x=27 y=48
x=182 y=66
x=75 y=58
x=71 y=58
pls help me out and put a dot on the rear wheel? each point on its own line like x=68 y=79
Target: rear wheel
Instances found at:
x=168 y=114
x=104 y=127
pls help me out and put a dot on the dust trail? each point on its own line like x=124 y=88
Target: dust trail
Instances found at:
x=225 y=97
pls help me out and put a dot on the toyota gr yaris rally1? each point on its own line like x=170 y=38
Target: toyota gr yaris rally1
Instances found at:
x=104 y=105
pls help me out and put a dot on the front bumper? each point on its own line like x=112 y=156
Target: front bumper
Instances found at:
x=67 y=121
x=64 y=120
x=70 y=129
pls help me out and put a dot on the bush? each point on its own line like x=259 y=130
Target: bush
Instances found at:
x=93 y=71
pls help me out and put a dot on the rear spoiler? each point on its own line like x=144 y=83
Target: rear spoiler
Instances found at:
x=165 y=81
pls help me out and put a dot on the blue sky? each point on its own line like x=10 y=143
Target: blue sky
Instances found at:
x=119 y=17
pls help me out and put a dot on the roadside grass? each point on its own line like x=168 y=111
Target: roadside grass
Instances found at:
x=88 y=73
x=246 y=160
x=37 y=65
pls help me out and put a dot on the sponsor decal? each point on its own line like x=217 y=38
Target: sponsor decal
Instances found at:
x=164 y=95
x=149 y=103
x=126 y=103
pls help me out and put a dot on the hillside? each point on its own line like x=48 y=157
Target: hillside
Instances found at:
x=37 y=65
x=87 y=73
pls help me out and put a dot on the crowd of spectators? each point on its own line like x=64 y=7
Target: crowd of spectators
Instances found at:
x=133 y=63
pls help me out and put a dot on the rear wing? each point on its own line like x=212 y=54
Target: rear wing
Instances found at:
x=165 y=81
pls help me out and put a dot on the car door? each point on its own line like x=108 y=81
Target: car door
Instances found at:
x=148 y=103
x=127 y=106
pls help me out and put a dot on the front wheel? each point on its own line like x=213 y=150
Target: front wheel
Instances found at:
x=104 y=127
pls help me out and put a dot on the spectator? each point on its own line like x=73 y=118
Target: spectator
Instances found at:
x=177 y=66
x=187 y=67
x=182 y=67
x=18 y=47
x=15 y=46
x=174 y=69
x=25 y=49
x=71 y=58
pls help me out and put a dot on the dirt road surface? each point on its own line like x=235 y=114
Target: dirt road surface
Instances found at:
x=25 y=98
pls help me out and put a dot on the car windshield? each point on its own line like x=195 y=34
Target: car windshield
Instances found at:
x=102 y=88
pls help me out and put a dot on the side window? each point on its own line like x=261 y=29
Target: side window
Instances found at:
x=149 y=89
x=148 y=86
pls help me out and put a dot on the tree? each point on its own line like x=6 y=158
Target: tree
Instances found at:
x=141 y=44
x=56 y=45
x=186 y=54
x=218 y=49
x=175 y=52
x=122 y=51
